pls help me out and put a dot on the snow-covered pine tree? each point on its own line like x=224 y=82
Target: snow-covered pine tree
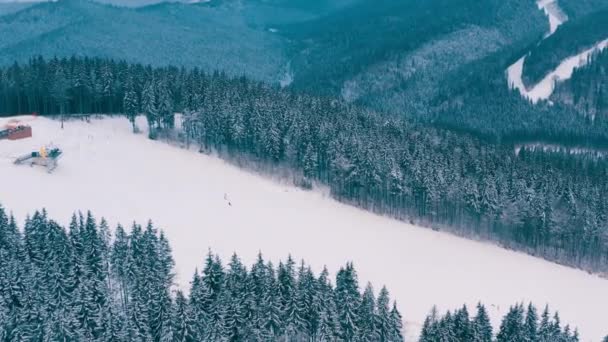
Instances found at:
x=462 y=325
x=482 y=328
x=184 y=326
x=148 y=104
x=200 y=305
x=270 y=310
x=446 y=328
x=130 y=103
x=236 y=296
x=329 y=325
x=531 y=323
x=395 y=333
x=348 y=301
x=165 y=105
x=119 y=257
x=384 y=321
x=368 y=319
x=544 y=329
x=512 y=326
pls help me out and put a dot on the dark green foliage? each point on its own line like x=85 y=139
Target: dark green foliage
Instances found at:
x=518 y=325
x=82 y=286
x=482 y=328
x=350 y=42
x=587 y=90
x=579 y=8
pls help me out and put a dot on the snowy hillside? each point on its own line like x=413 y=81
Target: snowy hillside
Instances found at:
x=202 y=202
x=543 y=89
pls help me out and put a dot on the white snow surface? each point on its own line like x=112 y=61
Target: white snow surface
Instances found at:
x=126 y=177
x=564 y=71
x=544 y=88
x=554 y=13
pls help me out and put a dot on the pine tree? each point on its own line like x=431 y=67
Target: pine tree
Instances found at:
x=482 y=329
x=200 y=305
x=396 y=325
x=184 y=326
x=271 y=314
x=384 y=317
x=544 y=330
x=512 y=326
x=348 y=300
x=165 y=105
x=329 y=325
x=446 y=328
x=148 y=104
x=531 y=324
x=131 y=103
x=369 y=320
x=462 y=326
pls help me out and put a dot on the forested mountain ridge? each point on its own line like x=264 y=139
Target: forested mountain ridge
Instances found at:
x=168 y=34
x=587 y=90
x=372 y=33
x=440 y=62
x=571 y=38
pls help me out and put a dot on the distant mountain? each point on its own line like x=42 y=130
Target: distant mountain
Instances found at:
x=12 y=7
x=163 y=34
x=442 y=62
x=396 y=54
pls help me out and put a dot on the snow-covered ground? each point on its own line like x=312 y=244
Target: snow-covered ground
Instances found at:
x=554 y=13
x=127 y=177
x=544 y=88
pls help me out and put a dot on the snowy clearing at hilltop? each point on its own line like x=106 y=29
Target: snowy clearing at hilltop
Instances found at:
x=124 y=177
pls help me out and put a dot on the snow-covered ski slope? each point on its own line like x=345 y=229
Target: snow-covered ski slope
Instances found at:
x=126 y=177
x=544 y=88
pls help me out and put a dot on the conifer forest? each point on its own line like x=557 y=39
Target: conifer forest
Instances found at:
x=84 y=283
x=546 y=204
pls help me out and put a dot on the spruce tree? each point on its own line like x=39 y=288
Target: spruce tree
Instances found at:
x=482 y=328
x=396 y=327
x=384 y=326
x=184 y=326
x=462 y=326
x=348 y=300
x=369 y=320
x=531 y=324
x=512 y=326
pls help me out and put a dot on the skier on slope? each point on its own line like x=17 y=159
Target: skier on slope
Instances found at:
x=226 y=199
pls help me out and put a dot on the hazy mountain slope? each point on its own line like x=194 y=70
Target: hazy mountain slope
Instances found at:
x=34 y=21
x=570 y=39
x=394 y=54
x=12 y=7
x=165 y=34
x=579 y=8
